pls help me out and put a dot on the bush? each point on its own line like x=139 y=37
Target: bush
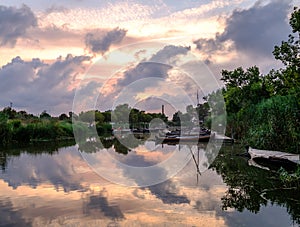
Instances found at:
x=66 y=127
x=5 y=133
x=103 y=128
x=275 y=124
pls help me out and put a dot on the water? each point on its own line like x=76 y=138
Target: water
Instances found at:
x=52 y=185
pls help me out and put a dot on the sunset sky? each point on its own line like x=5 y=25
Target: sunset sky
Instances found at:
x=110 y=51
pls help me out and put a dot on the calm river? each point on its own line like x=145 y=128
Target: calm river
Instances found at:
x=54 y=185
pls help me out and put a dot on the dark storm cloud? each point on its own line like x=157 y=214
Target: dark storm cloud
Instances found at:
x=14 y=23
x=100 y=43
x=254 y=31
x=39 y=86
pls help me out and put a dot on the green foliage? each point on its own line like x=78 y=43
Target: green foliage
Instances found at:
x=88 y=116
x=289 y=50
x=124 y=114
x=192 y=115
x=263 y=110
x=63 y=116
x=252 y=188
x=290 y=179
x=25 y=128
x=66 y=128
x=107 y=116
x=289 y=54
x=176 y=118
x=275 y=119
x=80 y=130
x=5 y=133
x=243 y=88
x=44 y=114
x=9 y=112
x=103 y=128
x=121 y=113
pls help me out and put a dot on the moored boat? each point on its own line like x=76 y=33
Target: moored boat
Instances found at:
x=255 y=153
x=178 y=139
x=274 y=159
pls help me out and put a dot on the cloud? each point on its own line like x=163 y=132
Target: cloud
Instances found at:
x=38 y=86
x=14 y=24
x=169 y=54
x=100 y=43
x=99 y=204
x=144 y=75
x=110 y=15
x=55 y=8
x=10 y=216
x=253 y=31
x=144 y=70
x=51 y=169
x=208 y=45
x=168 y=193
x=157 y=65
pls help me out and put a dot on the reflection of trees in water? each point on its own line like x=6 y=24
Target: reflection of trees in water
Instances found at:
x=126 y=144
x=121 y=145
x=90 y=145
x=33 y=148
x=251 y=187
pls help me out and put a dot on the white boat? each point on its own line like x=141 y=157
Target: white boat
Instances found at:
x=273 y=155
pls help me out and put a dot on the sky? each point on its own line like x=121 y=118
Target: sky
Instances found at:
x=63 y=56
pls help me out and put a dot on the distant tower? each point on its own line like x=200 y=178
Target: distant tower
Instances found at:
x=162 y=109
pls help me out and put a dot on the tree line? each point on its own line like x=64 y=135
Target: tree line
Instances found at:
x=23 y=127
x=263 y=110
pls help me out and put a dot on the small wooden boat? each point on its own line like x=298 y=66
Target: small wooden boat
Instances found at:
x=255 y=153
x=274 y=159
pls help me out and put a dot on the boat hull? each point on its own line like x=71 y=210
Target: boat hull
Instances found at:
x=178 y=139
x=274 y=159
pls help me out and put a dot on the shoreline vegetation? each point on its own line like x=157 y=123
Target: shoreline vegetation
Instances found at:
x=262 y=111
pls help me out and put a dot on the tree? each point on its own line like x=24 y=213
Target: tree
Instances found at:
x=91 y=116
x=202 y=111
x=99 y=117
x=107 y=116
x=289 y=50
x=121 y=113
x=10 y=112
x=63 y=116
x=176 y=118
x=134 y=118
x=243 y=88
x=289 y=54
x=44 y=114
x=88 y=116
